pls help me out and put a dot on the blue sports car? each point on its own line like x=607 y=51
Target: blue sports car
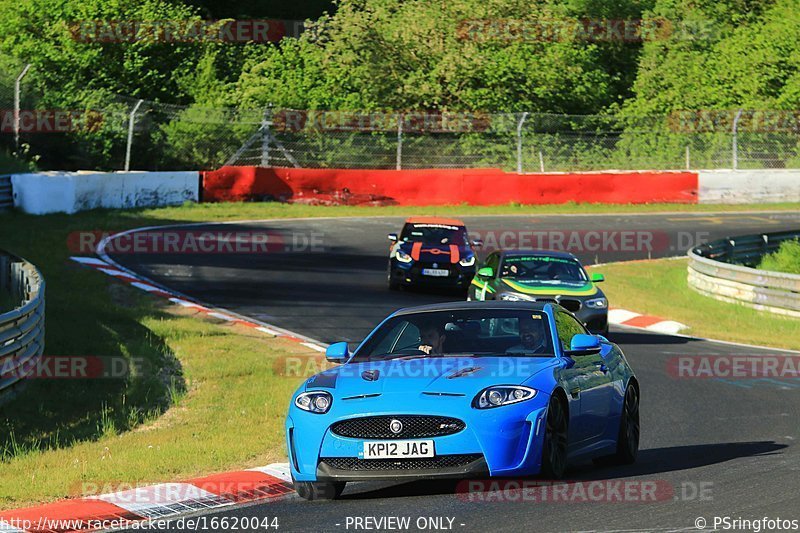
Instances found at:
x=460 y=390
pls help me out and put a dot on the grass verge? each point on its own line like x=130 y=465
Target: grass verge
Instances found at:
x=202 y=397
x=659 y=288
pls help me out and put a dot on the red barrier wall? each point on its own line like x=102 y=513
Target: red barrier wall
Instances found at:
x=445 y=186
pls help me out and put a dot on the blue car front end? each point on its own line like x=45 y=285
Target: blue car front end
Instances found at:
x=495 y=441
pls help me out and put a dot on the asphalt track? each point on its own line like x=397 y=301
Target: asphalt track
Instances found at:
x=725 y=448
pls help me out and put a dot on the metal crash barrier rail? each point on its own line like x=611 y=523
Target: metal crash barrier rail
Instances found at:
x=723 y=269
x=21 y=319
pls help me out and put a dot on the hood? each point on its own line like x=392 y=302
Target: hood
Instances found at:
x=430 y=252
x=551 y=287
x=453 y=375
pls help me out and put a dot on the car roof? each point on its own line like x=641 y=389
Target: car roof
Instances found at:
x=533 y=251
x=464 y=305
x=434 y=220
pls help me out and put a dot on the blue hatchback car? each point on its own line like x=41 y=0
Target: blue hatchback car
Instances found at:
x=461 y=390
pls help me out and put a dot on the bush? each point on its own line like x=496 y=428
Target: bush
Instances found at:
x=786 y=259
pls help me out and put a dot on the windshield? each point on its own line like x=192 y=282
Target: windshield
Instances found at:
x=434 y=233
x=542 y=267
x=473 y=332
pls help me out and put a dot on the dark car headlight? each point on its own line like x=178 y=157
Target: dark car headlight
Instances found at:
x=318 y=402
x=596 y=303
x=467 y=261
x=403 y=257
x=500 y=395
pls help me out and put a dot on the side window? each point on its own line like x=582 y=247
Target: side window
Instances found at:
x=567 y=328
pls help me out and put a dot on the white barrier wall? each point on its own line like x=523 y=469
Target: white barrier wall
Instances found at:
x=70 y=192
x=748 y=186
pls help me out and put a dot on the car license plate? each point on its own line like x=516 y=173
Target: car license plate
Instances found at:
x=437 y=272
x=398 y=449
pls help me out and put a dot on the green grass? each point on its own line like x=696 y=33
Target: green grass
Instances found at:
x=659 y=288
x=785 y=259
x=202 y=398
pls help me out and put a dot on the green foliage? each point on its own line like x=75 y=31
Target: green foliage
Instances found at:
x=786 y=259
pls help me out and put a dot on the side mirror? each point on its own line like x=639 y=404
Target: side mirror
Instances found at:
x=486 y=272
x=583 y=344
x=597 y=277
x=337 y=352
x=477 y=243
x=392 y=237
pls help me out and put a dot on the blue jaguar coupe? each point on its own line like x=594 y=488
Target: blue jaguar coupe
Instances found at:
x=462 y=390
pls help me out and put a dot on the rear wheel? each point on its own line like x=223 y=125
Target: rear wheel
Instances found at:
x=554 y=452
x=629 y=429
x=319 y=490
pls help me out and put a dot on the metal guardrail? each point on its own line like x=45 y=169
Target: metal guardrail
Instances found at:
x=21 y=328
x=723 y=269
x=6 y=193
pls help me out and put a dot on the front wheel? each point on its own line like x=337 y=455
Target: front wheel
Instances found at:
x=319 y=490
x=554 y=451
x=628 y=439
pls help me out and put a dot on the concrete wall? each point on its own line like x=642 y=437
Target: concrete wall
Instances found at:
x=748 y=186
x=70 y=192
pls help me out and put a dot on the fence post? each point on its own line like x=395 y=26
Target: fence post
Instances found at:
x=131 y=121
x=688 y=160
x=519 y=141
x=735 y=147
x=16 y=105
x=541 y=161
x=266 y=136
x=399 y=165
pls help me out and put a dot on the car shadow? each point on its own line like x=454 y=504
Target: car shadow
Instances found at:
x=650 y=461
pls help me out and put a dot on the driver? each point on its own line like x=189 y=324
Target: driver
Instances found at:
x=432 y=338
x=532 y=339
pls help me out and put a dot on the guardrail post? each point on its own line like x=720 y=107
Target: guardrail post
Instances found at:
x=519 y=141
x=16 y=105
x=735 y=146
x=399 y=163
x=131 y=121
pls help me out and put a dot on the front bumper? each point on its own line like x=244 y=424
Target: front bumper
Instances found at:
x=497 y=442
x=595 y=320
x=410 y=274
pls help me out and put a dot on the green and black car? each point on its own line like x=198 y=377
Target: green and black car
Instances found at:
x=541 y=275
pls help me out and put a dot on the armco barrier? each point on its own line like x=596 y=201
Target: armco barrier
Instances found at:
x=444 y=186
x=713 y=272
x=21 y=328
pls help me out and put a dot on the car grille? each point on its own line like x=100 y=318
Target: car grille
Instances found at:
x=431 y=463
x=414 y=426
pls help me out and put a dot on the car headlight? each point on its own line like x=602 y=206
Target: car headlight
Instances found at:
x=467 y=261
x=514 y=297
x=502 y=395
x=403 y=257
x=597 y=303
x=314 y=401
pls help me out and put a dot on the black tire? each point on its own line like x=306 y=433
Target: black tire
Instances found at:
x=393 y=285
x=629 y=429
x=554 y=451
x=318 y=490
